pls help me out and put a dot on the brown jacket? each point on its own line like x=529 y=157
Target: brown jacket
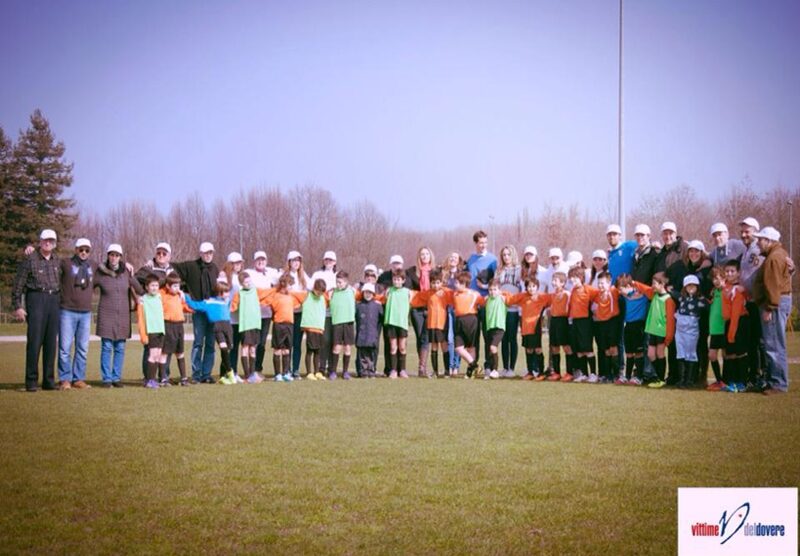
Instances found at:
x=773 y=278
x=114 y=308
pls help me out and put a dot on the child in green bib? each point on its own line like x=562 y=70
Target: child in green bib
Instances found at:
x=495 y=324
x=312 y=322
x=343 y=319
x=660 y=324
x=398 y=303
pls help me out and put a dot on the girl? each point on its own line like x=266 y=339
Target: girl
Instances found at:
x=327 y=273
x=300 y=282
x=697 y=262
x=421 y=281
x=687 y=330
x=230 y=274
x=450 y=270
x=716 y=327
x=312 y=322
x=509 y=274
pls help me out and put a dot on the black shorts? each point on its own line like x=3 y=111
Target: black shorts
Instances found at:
x=437 y=336
x=718 y=341
x=606 y=333
x=155 y=341
x=173 y=337
x=395 y=332
x=740 y=343
x=314 y=340
x=532 y=341
x=250 y=337
x=282 y=335
x=582 y=335
x=559 y=331
x=634 y=336
x=223 y=332
x=656 y=340
x=466 y=333
x=494 y=336
x=344 y=334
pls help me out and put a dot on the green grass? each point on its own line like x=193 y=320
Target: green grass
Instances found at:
x=379 y=467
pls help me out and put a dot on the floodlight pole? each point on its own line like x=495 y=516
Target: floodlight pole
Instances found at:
x=241 y=239
x=791 y=231
x=620 y=195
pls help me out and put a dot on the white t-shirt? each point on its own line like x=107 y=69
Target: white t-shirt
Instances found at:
x=264 y=280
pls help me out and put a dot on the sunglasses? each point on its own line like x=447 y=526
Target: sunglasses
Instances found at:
x=83 y=250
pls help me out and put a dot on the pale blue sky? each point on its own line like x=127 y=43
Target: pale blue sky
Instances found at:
x=476 y=107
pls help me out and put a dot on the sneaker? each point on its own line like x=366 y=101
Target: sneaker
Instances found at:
x=184 y=382
x=604 y=380
x=393 y=375
x=716 y=386
x=288 y=377
x=151 y=384
x=635 y=381
x=311 y=376
x=332 y=376
x=494 y=374
x=295 y=376
x=529 y=376
x=403 y=374
x=80 y=385
x=580 y=377
x=252 y=379
x=567 y=378
x=227 y=380
x=657 y=384
x=621 y=380
x=278 y=378
x=237 y=379
x=594 y=379
x=508 y=373
x=64 y=385
x=346 y=376
x=554 y=377
x=164 y=383
x=320 y=376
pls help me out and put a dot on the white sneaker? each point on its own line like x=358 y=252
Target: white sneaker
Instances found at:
x=579 y=377
x=592 y=378
x=237 y=379
x=494 y=374
x=508 y=373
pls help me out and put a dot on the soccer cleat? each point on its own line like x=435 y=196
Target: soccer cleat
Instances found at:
x=493 y=374
x=278 y=378
x=593 y=378
x=64 y=385
x=289 y=377
x=151 y=384
x=621 y=380
x=567 y=378
x=554 y=377
x=311 y=376
x=237 y=379
x=716 y=386
x=184 y=382
x=393 y=375
x=346 y=376
x=252 y=379
x=403 y=374
x=635 y=381
x=332 y=376
x=541 y=377
x=579 y=377
x=320 y=376
x=227 y=380
x=529 y=376
x=657 y=384
x=508 y=373
x=164 y=383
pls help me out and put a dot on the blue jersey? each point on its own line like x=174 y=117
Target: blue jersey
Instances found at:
x=215 y=308
x=636 y=305
x=483 y=267
x=620 y=259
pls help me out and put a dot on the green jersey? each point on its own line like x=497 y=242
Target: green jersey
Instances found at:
x=495 y=313
x=398 y=303
x=343 y=306
x=249 y=310
x=313 y=312
x=153 y=313
x=657 y=316
x=716 y=324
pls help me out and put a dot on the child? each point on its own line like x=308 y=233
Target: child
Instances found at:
x=218 y=311
x=580 y=299
x=343 y=317
x=636 y=305
x=174 y=307
x=687 y=330
x=495 y=324
x=716 y=327
x=736 y=328
x=398 y=304
x=369 y=315
x=559 y=328
x=532 y=305
x=246 y=307
x=283 y=303
x=660 y=324
x=150 y=313
x=605 y=308
x=465 y=304
x=312 y=322
x=437 y=299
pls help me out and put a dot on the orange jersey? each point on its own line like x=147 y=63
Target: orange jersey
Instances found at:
x=580 y=299
x=174 y=306
x=283 y=304
x=559 y=304
x=532 y=308
x=466 y=302
x=436 y=303
x=734 y=299
x=605 y=306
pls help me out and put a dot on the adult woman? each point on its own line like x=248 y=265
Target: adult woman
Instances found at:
x=326 y=273
x=529 y=266
x=509 y=273
x=230 y=274
x=697 y=262
x=294 y=268
x=452 y=266
x=420 y=280
x=114 y=281
x=599 y=264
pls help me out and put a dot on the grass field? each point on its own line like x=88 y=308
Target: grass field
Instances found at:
x=378 y=466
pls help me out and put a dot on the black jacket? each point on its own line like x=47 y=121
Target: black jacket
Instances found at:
x=644 y=265
x=191 y=272
x=369 y=316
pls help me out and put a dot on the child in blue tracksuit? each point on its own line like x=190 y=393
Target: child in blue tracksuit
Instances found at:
x=218 y=311
x=636 y=306
x=369 y=316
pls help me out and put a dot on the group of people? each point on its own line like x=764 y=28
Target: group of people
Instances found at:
x=640 y=312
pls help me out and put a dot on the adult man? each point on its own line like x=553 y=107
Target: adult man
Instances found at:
x=673 y=251
x=77 y=286
x=159 y=265
x=39 y=280
x=200 y=275
x=620 y=253
x=645 y=256
x=725 y=248
x=749 y=265
x=772 y=292
x=264 y=277
x=481 y=265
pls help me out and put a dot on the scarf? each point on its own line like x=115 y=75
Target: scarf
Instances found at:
x=84 y=274
x=425 y=277
x=206 y=282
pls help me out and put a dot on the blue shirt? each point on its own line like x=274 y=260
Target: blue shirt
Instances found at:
x=476 y=265
x=215 y=308
x=636 y=305
x=620 y=259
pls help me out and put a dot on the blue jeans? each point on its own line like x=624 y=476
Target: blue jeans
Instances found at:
x=111 y=372
x=74 y=328
x=773 y=334
x=202 y=347
x=455 y=359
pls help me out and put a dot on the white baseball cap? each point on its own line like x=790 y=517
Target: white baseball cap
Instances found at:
x=574 y=257
x=48 y=234
x=371 y=268
x=770 y=233
x=396 y=259
x=259 y=255
x=690 y=279
x=718 y=227
x=669 y=226
x=206 y=246
x=293 y=255
x=165 y=246
x=235 y=257
x=530 y=249
x=368 y=287
x=697 y=244
x=83 y=242
x=329 y=255
x=613 y=229
x=114 y=248
x=556 y=252
x=750 y=221
x=641 y=229
x=599 y=254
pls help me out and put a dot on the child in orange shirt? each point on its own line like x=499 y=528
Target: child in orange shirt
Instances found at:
x=559 y=328
x=736 y=329
x=174 y=308
x=580 y=299
x=605 y=308
x=436 y=300
x=532 y=303
x=465 y=305
x=283 y=303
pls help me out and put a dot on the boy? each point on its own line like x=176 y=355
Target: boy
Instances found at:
x=495 y=323
x=580 y=299
x=559 y=328
x=636 y=305
x=605 y=308
x=436 y=300
x=343 y=317
x=283 y=303
x=398 y=304
x=716 y=328
x=312 y=322
x=465 y=305
x=246 y=306
x=734 y=312
x=532 y=304
x=369 y=315
x=150 y=313
x=174 y=308
x=218 y=312
x=660 y=324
